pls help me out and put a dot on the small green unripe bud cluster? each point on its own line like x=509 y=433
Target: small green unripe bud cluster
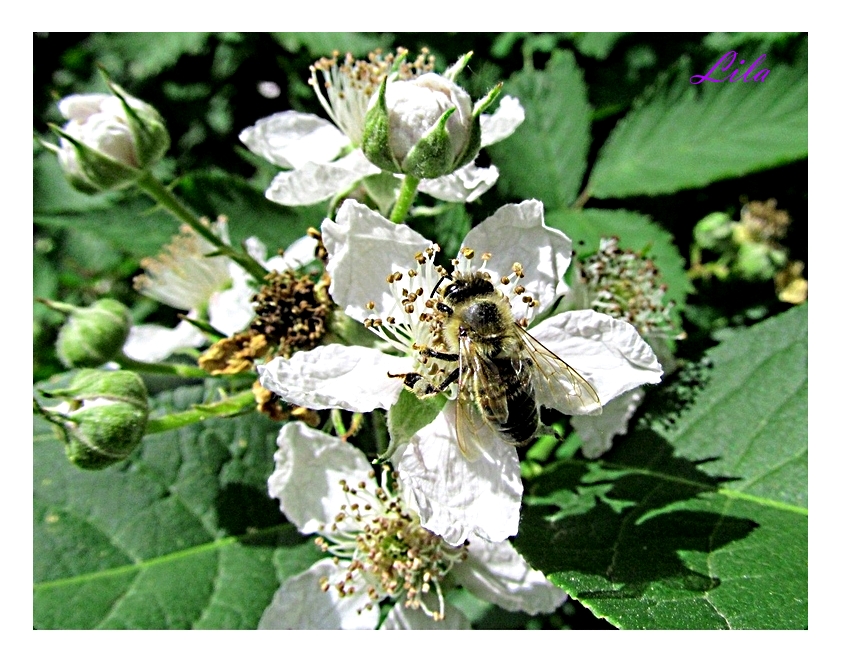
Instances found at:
x=92 y=335
x=103 y=418
x=749 y=248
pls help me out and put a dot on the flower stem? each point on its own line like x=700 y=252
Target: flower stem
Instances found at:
x=406 y=196
x=229 y=406
x=188 y=371
x=167 y=200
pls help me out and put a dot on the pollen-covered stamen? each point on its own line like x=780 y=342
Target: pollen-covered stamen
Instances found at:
x=291 y=311
x=183 y=275
x=383 y=550
x=628 y=286
x=405 y=323
x=348 y=84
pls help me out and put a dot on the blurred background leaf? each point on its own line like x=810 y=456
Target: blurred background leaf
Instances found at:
x=680 y=135
x=554 y=138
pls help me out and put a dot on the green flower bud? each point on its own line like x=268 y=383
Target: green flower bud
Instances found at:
x=425 y=127
x=103 y=419
x=92 y=335
x=109 y=140
x=713 y=231
x=759 y=261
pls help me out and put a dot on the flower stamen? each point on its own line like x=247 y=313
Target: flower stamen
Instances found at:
x=387 y=551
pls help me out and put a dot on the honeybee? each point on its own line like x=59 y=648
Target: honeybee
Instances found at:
x=502 y=371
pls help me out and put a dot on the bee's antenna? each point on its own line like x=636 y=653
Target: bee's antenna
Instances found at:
x=437 y=285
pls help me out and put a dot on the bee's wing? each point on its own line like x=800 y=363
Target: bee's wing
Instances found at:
x=555 y=383
x=478 y=376
x=473 y=430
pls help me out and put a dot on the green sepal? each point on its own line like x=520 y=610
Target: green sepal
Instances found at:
x=100 y=433
x=152 y=139
x=473 y=146
x=92 y=335
x=376 y=134
x=409 y=415
x=100 y=171
x=483 y=104
x=431 y=157
x=454 y=71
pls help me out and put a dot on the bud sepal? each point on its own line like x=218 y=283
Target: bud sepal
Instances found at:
x=425 y=127
x=92 y=335
x=103 y=417
x=109 y=141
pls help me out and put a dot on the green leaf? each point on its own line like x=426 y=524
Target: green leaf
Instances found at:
x=249 y=212
x=635 y=232
x=53 y=194
x=321 y=44
x=181 y=535
x=596 y=44
x=132 y=223
x=681 y=136
x=721 y=42
x=133 y=226
x=148 y=53
x=129 y=222
x=699 y=522
x=554 y=137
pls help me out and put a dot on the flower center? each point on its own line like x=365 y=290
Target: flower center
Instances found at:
x=627 y=286
x=414 y=324
x=349 y=84
x=389 y=554
x=291 y=311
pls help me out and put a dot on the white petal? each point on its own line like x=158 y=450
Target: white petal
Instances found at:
x=80 y=107
x=498 y=126
x=496 y=572
x=291 y=139
x=299 y=253
x=230 y=311
x=300 y=604
x=364 y=248
x=517 y=232
x=463 y=185
x=455 y=498
x=607 y=352
x=153 y=343
x=405 y=618
x=256 y=249
x=334 y=376
x=309 y=466
x=314 y=182
x=598 y=431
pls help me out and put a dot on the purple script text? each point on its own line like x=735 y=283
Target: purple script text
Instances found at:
x=725 y=62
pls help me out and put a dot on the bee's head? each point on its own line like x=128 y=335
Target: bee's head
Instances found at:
x=463 y=288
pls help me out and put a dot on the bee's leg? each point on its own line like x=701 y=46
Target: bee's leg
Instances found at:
x=440 y=355
x=447 y=381
x=422 y=387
